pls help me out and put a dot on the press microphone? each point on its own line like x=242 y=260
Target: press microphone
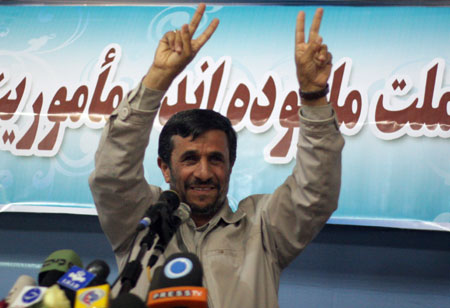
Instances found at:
x=55 y=297
x=93 y=297
x=28 y=297
x=56 y=265
x=168 y=199
x=74 y=279
x=21 y=282
x=101 y=271
x=97 y=292
x=179 y=284
x=168 y=228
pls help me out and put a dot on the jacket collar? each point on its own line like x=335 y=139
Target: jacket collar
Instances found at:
x=227 y=215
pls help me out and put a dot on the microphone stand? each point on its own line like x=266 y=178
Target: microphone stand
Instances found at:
x=165 y=227
x=133 y=269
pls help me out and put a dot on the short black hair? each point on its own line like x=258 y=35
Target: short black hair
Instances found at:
x=195 y=122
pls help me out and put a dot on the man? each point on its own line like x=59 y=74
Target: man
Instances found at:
x=242 y=253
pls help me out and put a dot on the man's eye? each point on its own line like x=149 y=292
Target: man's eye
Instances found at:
x=190 y=159
x=217 y=159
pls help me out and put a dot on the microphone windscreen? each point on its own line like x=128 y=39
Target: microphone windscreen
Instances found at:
x=21 y=282
x=55 y=297
x=181 y=269
x=171 y=198
x=127 y=300
x=100 y=269
x=58 y=262
x=178 y=284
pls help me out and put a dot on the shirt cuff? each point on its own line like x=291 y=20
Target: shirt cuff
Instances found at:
x=317 y=113
x=145 y=99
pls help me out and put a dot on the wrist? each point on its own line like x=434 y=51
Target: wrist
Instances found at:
x=158 y=79
x=314 y=98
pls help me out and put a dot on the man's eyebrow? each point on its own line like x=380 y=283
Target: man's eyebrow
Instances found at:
x=217 y=154
x=189 y=153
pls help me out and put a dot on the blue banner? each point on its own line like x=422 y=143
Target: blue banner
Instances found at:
x=64 y=69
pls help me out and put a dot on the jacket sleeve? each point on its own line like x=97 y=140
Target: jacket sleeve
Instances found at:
x=295 y=213
x=120 y=191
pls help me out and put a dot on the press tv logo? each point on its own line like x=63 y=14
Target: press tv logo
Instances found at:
x=178 y=292
x=179 y=285
x=76 y=278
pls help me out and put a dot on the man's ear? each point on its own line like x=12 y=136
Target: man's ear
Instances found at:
x=165 y=169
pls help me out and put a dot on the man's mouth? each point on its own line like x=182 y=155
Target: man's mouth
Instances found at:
x=202 y=188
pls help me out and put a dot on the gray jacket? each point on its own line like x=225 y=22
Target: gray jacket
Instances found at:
x=242 y=253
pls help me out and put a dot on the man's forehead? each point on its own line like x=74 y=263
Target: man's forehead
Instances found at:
x=212 y=140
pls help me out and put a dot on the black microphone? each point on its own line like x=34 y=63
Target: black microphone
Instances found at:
x=101 y=271
x=178 y=284
x=168 y=199
x=167 y=229
x=96 y=294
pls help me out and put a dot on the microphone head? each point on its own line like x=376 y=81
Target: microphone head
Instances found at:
x=99 y=268
x=171 y=198
x=127 y=300
x=183 y=212
x=57 y=263
x=179 y=283
x=21 y=282
x=181 y=269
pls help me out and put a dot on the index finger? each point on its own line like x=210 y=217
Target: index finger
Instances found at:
x=196 y=18
x=204 y=37
x=300 y=28
x=315 y=26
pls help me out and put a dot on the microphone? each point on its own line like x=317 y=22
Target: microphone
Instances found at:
x=21 y=282
x=179 y=284
x=97 y=292
x=56 y=264
x=28 y=297
x=73 y=280
x=93 y=297
x=101 y=271
x=168 y=199
x=167 y=229
x=55 y=297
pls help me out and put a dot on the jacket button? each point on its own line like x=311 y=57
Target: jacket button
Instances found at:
x=124 y=113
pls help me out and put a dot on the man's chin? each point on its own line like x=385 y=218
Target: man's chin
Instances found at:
x=206 y=210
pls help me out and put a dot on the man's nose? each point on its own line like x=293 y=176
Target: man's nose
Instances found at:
x=203 y=170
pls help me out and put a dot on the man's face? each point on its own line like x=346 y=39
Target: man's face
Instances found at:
x=200 y=171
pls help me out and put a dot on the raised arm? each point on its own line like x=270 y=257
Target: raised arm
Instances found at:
x=300 y=207
x=120 y=191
